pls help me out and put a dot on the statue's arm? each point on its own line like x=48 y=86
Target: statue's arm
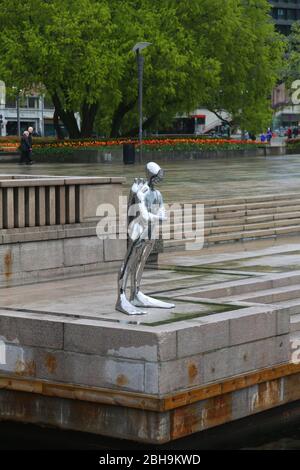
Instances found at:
x=146 y=214
x=162 y=209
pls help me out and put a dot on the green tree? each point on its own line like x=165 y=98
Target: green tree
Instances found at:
x=227 y=56
x=291 y=70
x=223 y=55
x=250 y=55
x=66 y=47
x=177 y=71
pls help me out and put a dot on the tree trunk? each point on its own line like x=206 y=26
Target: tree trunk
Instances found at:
x=88 y=115
x=118 y=117
x=149 y=122
x=67 y=117
x=222 y=119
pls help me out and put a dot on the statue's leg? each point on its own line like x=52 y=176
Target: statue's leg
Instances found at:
x=137 y=297
x=125 y=269
x=137 y=274
x=136 y=268
x=123 y=305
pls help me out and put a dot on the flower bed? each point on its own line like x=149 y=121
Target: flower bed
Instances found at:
x=293 y=144
x=198 y=144
x=158 y=144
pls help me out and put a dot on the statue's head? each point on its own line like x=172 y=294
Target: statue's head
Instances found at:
x=154 y=172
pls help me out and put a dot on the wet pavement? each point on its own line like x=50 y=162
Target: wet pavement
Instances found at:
x=189 y=180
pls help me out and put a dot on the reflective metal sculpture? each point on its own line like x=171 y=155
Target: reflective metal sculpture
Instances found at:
x=145 y=210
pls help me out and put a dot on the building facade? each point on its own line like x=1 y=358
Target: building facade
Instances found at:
x=286 y=114
x=33 y=110
x=285 y=12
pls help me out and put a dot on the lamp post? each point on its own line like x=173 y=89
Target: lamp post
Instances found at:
x=18 y=114
x=42 y=125
x=18 y=92
x=140 y=63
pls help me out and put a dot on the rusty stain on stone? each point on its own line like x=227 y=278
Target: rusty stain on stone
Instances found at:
x=122 y=380
x=193 y=371
x=8 y=264
x=185 y=421
x=194 y=418
x=25 y=368
x=217 y=410
x=51 y=363
x=291 y=388
x=268 y=394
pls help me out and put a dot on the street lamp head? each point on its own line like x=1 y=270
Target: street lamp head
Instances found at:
x=140 y=46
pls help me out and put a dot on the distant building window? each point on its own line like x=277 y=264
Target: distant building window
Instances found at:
x=33 y=102
x=281 y=14
x=10 y=102
x=291 y=14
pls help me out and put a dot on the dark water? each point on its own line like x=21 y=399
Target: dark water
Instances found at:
x=278 y=429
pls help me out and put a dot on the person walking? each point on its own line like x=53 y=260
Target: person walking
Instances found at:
x=269 y=135
x=289 y=133
x=25 y=149
x=263 y=138
x=30 y=132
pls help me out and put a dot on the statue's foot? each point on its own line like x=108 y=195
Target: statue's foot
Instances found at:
x=142 y=300
x=124 y=306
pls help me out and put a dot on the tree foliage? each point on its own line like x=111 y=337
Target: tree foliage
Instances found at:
x=250 y=56
x=224 y=55
x=291 y=70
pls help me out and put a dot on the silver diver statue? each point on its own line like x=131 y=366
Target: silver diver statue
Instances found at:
x=145 y=210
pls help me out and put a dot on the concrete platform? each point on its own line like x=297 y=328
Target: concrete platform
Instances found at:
x=75 y=363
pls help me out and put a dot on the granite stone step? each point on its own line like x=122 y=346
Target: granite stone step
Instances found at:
x=247 y=199
x=273 y=295
x=226 y=207
x=235 y=219
x=189 y=227
x=253 y=219
x=242 y=289
x=232 y=216
x=215 y=213
x=272 y=198
x=213 y=222
x=173 y=244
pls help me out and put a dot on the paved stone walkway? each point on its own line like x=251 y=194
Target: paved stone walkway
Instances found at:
x=195 y=179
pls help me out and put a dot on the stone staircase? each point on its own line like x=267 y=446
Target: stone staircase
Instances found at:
x=237 y=219
x=281 y=289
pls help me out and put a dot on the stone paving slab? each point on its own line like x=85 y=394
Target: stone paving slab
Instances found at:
x=95 y=307
x=280 y=262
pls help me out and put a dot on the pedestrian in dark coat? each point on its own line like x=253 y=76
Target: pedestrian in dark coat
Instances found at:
x=30 y=130
x=25 y=149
